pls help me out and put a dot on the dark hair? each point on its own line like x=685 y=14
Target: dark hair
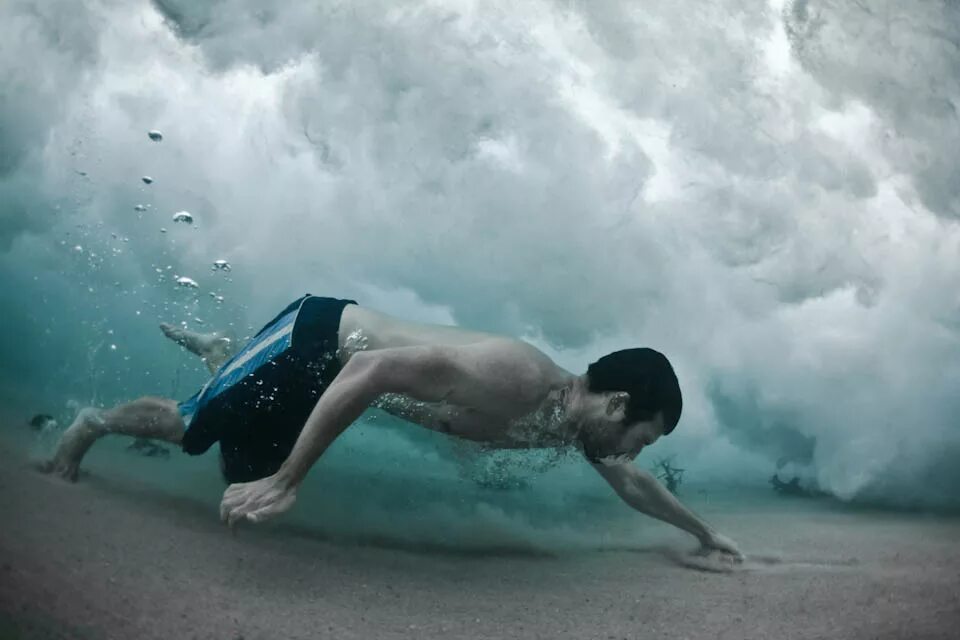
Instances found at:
x=647 y=376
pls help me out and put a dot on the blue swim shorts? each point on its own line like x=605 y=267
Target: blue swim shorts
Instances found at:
x=257 y=402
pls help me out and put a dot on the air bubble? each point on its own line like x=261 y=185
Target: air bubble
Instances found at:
x=147 y=180
x=184 y=281
x=183 y=216
x=155 y=135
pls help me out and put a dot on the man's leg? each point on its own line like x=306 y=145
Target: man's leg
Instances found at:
x=146 y=418
x=213 y=348
x=153 y=418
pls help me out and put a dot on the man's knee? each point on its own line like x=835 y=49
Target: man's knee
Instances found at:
x=91 y=419
x=149 y=417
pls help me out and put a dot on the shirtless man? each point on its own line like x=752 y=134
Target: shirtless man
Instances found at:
x=279 y=402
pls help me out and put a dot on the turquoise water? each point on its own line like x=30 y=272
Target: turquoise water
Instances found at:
x=768 y=195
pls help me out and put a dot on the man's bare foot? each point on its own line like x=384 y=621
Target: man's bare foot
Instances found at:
x=209 y=346
x=86 y=429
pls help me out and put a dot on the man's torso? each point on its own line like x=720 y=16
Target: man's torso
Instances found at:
x=521 y=418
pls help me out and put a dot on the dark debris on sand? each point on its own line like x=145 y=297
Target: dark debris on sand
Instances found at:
x=42 y=421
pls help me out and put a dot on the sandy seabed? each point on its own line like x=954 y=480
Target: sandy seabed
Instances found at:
x=113 y=558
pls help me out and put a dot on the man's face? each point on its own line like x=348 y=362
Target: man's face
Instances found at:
x=605 y=436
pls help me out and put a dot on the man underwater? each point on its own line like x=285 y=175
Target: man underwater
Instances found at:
x=275 y=405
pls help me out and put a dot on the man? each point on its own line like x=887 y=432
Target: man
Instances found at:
x=278 y=403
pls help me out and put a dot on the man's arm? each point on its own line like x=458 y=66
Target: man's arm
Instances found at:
x=643 y=492
x=427 y=374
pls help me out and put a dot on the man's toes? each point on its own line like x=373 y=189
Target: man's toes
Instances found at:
x=44 y=466
x=68 y=471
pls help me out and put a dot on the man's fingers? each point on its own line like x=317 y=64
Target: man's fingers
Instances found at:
x=254 y=502
x=730 y=557
x=226 y=507
x=234 y=492
x=259 y=515
x=232 y=498
x=235 y=516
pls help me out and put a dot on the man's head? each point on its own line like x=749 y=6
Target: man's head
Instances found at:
x=632 y=398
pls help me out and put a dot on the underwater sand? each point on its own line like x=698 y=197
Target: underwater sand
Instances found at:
x=111 y=557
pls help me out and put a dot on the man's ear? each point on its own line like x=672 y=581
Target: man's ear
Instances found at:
x=618 y=404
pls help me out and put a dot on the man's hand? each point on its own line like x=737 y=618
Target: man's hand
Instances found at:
x=256 y=501
x=717 y=544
